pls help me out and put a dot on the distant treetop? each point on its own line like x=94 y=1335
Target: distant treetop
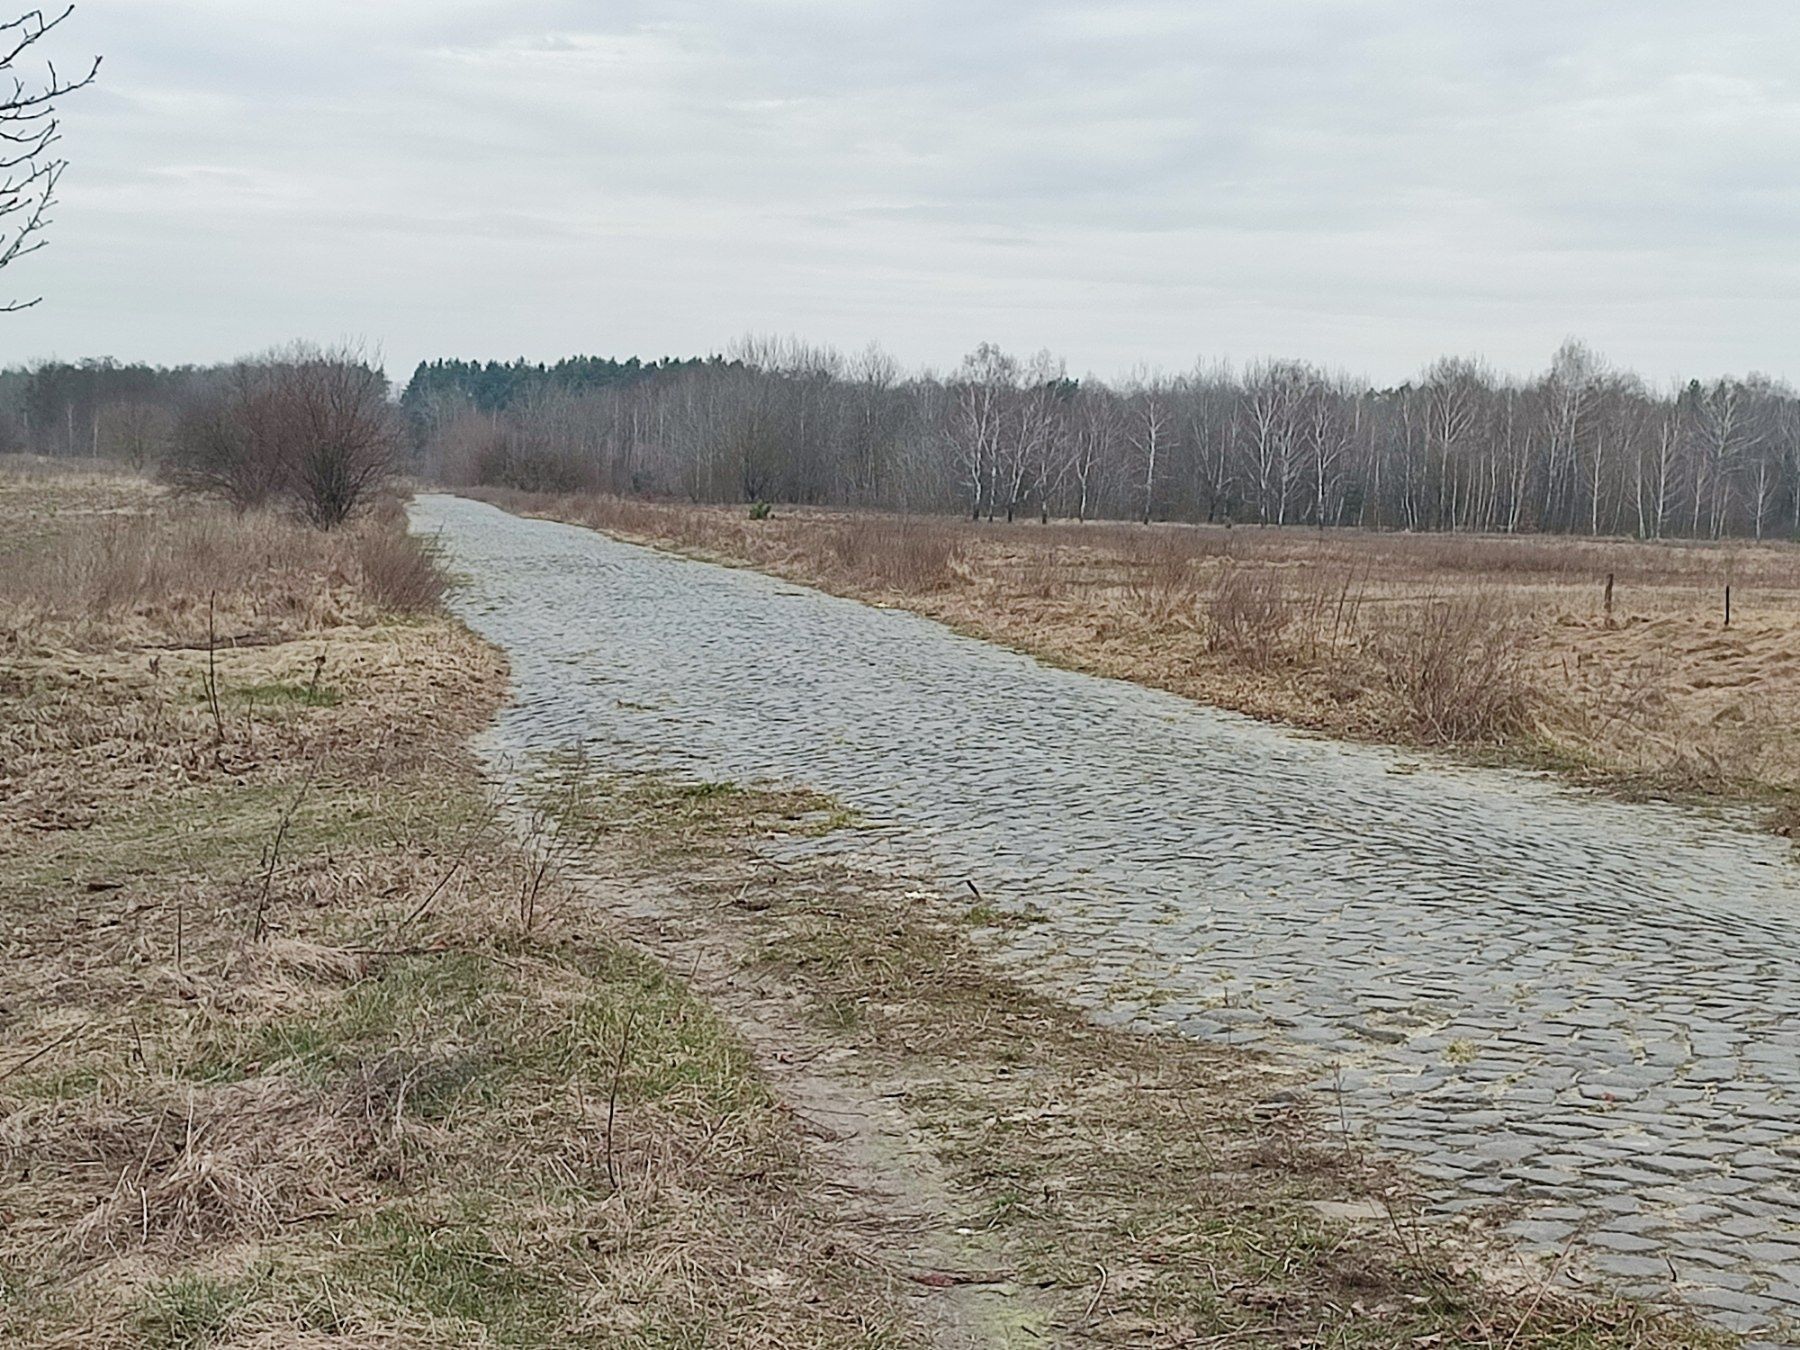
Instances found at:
x=494 y=386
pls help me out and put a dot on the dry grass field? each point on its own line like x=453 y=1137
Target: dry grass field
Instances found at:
x=1501 y=646
x=303 y=1043
x=298 y=1045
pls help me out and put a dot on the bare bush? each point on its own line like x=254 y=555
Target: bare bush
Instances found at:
x=228 y=443
x=1247 y=616
x=1459 y=670
x=137 y=433
x=399 y=572
x=342 y=433
x=470 y=449
x=311 y=428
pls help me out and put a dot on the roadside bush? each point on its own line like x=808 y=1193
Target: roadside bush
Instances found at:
x=311 y=429
x=399 y=572
x=1459 y=671
x=1247 y=616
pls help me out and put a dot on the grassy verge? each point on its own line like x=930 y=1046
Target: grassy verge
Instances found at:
x=299 y=1045
x=1605 y=661
x=1125 y=1189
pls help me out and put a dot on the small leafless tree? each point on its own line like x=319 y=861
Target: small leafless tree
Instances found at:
x=29 y=131
x=228 y=441
x=135 y=431
x=342 y=434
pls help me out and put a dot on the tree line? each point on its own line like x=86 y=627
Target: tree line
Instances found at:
x=494 y=386
x=1581 y=447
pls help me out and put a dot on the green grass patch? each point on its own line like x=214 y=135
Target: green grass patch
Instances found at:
x=666 y=816
x=191 y=1311
x=453 y=1268
x=281 y=694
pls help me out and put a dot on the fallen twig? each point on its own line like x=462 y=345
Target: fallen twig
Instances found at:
x=268 y=881
x=612 y=1096
x=36 y=1055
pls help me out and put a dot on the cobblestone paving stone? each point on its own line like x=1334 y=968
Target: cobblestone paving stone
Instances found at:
x=1581 y=1009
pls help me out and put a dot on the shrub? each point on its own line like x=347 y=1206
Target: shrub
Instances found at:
x=400 y=573
x=1247 y=615
x=309 y=427
x=342 y=434
x=1458 y=669
x=228 y=443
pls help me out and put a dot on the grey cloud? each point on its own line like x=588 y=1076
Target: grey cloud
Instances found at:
x=1368 y=183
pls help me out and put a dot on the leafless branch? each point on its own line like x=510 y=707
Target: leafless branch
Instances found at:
x=28 y=121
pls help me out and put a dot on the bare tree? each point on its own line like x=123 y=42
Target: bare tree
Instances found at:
x=1659 y=443
x=1332 y=431
x=985 y=384
x=1275 y=395
x=1567 y=396
x=29 y=132
x=1582 y=447
x=1453 y=394
x=1093 y=444
x=342 y=433
x=1725 y=432
x=136 y=431
x=228 y=444
x=1036 y=433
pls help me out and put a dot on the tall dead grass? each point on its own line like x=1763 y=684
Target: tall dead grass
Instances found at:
x=1248 y=616
x=192 y=573
x=1452 y=664
x=398 y=572
x=904 y=555
x=1162 y=581
x=1459 y=669
x=54 y=468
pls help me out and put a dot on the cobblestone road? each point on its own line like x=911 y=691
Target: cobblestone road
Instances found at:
x=1577 y=1004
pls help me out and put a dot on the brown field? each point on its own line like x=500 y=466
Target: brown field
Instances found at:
x=304 y=1044
x=1500 y=646
x=298 y=1045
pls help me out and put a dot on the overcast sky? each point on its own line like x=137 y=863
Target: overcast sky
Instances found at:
x=1366 y=183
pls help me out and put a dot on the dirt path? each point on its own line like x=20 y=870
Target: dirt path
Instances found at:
x=895 y=1201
